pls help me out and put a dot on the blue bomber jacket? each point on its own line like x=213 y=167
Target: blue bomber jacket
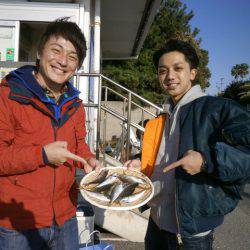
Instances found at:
x=219 y=129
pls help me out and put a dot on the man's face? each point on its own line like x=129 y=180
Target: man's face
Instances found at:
x=175 y=75
x=58 y=62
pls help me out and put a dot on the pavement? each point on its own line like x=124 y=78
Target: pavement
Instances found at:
x=235 y=231
x=232 y=235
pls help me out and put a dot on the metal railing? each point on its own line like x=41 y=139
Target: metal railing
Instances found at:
x=127 y=96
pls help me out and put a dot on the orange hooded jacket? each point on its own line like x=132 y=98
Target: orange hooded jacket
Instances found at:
x=151 y=143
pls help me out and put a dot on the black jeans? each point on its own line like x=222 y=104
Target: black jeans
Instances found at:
x=157 y=239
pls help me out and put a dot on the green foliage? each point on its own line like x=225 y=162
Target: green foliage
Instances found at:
x=172 y=21
x=235 y=90
x=239 y=90
x=240 y=71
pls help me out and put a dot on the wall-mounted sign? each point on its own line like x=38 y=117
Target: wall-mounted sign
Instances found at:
x=10 y=54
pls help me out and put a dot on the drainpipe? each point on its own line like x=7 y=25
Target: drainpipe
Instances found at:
x=96 y=69
x=82 y=82
x=84 y=24
x=97 y=40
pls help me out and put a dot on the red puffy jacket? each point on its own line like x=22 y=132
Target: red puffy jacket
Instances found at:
x=32 y=193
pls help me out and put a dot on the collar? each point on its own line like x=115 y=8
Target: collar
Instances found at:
x=194 y=93
x=51 y=95
x=25 y=77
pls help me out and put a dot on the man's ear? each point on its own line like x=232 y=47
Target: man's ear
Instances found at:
x=37 y=60
x=193 y=74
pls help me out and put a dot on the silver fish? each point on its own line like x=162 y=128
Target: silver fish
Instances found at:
x=128 y=189
x=131 y=179
x=133 y=197
x=103 y=188
x=109 y=191
x=100 y=177
x=122 y=190
x=115 y=191
x=98 y=196
x=109 y=180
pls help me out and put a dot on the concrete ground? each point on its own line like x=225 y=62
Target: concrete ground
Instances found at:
x=232 y=235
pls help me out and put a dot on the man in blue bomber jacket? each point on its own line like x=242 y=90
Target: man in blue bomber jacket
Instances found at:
x=202 y=158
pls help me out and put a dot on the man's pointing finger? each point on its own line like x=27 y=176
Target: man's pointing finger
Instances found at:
x=172 y=166
x=77 y=158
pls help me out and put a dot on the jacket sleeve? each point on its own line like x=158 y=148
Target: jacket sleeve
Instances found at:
x=82 y=149
x=14 y=158
x=233 y=163
x=229 y=159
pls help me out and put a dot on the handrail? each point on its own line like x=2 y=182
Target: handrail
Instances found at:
x=133 y=93
x=122 y=118
x=126 y=119
x=121 y=87
x=126 y=99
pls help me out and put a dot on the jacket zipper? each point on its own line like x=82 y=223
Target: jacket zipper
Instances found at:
x=178 y=235
x=54 y=183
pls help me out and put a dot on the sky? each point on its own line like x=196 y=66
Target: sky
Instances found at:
x=225 y=31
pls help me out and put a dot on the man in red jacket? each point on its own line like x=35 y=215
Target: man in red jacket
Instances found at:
x=42 y=141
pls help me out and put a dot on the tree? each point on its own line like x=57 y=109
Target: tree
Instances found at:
x=172 y=21
x=233 y=90
x=238 y=91
x=245 y=94
x=240 y=71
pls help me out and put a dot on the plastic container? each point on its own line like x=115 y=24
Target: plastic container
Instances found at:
x=85 y=219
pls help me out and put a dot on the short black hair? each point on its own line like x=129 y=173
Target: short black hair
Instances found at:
x=69 y=31
x=183 y=47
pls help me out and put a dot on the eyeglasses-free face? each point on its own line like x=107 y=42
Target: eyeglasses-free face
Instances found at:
x=175 y=75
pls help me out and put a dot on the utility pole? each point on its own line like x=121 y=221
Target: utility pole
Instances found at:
x=219 y=85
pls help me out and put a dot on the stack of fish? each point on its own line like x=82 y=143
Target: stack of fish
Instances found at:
x=116 y=188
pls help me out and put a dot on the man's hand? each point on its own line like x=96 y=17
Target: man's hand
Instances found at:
x=93 y=163
x=57 y=152
x=133 y=164
x=191 y=162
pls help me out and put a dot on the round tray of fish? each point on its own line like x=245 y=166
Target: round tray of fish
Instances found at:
x=116 y=188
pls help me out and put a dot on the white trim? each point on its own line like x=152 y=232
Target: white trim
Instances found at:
x=97 y=47
x=97 y=30
x=16 y=40
x=7 y=23
x=43 y=12
x=96 y=64
x=16 y=27
x=84 y=24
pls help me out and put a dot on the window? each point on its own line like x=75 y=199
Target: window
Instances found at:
x=30 y=34
x=7 y=43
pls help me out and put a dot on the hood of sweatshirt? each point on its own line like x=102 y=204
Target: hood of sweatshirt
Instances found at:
x=23 y=82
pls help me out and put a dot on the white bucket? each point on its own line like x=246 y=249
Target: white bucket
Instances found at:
x=85 y=220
